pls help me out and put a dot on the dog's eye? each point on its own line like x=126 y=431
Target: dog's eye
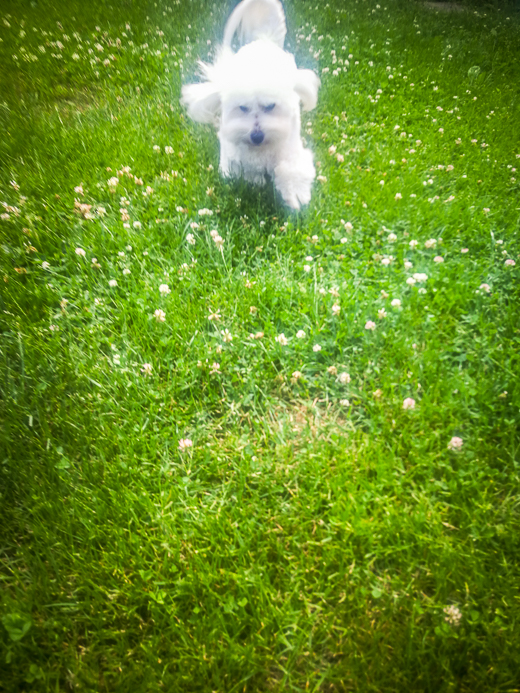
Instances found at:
x=244 y=109
x=269 y=107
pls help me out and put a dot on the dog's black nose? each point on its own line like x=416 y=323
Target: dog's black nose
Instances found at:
x=257 y=137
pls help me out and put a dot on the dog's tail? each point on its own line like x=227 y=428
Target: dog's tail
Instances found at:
x=256 y=19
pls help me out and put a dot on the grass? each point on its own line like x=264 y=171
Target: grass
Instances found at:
x=317 y=535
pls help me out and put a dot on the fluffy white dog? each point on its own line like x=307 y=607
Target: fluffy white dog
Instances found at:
x=253 y=97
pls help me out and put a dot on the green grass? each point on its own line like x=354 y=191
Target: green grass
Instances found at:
x=317 y=536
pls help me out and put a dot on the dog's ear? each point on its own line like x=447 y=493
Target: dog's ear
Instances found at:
x=202 y=101
x=307 y=85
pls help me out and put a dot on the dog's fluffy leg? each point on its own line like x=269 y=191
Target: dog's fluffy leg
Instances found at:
x=293 y=179
x=229 y=160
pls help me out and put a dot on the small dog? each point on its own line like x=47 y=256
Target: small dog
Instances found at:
x=253 y=97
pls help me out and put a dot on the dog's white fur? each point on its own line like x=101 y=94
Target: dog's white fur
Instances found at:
x=253 y=98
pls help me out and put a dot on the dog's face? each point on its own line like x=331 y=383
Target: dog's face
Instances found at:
x=255 y=94
x=258 y=119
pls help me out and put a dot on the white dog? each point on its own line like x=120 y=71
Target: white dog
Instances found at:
x=253 y=97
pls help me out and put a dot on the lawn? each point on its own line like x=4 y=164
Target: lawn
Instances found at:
x=242 y=448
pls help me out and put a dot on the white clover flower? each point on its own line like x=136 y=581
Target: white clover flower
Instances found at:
x=381 y=313
x=80 y=252
x=217 y=239
x=509 y=263
x=386 y=261
x=112 y=184
x=306 y=268
x=300 y=334
x=409 y=403
x=147 y=369
x=396 y=303
x=455 y=443
x=281 y=339
x=410 y=281
x=453 y=615
x=370 y=325
x=438 y=258
x=112 y=282
x=168 y=150
x=336 y=309
x=214 y=316
x=485 y=287
x=185 y=443
x=316 y=348
x=126 y=271
x=190 y=238
x=226 y=335
x=215 y=368
x=391 y=237
x=413 y=244
x=45 y=265
x=159 y=315
x=295 y=375
x=430 y=243
x=344 y=378
x=408 y=264
x=344 y=403
x=164 y=289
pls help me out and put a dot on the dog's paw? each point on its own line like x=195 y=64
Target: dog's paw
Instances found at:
x=291 y=201
x=293 y=180
x=296 y=196
x=303 y=194
x=294 y=188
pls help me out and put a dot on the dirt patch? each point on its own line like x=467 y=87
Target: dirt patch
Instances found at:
x=317 y=419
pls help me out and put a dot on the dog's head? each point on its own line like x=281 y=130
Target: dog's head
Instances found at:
x=255 y=94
